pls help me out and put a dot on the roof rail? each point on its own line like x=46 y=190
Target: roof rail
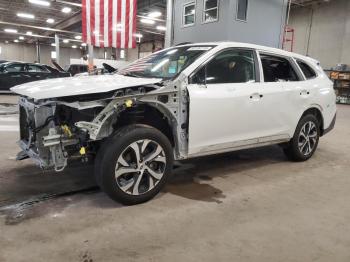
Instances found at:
x=184 y=43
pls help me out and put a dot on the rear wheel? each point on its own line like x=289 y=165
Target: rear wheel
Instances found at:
x=134 y=164
x=305 y=140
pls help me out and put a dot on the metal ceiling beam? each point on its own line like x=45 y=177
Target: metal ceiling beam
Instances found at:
x=66 y=3
x=39 y=27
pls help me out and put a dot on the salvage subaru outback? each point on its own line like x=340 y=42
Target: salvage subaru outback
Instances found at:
x=183 y=102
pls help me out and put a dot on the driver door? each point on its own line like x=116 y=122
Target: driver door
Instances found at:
x=225 y=103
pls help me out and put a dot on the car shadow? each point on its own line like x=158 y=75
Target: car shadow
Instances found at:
x=191 y=179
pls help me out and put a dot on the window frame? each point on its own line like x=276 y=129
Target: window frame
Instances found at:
x=246 y=12
x=204 y=64
x=206 y=10
x=309 y=65
x=184 y=14
x=43 y=68
x=290 y=60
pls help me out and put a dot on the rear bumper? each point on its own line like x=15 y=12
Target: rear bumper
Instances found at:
x=331 y=126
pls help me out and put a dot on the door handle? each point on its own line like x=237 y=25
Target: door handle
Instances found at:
x=304 y=92
x=256 y=96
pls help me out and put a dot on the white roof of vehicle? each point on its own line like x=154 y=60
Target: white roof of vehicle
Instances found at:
x=253 y=46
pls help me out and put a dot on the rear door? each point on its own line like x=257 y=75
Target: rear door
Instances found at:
x=38 y=72
x=282 y=88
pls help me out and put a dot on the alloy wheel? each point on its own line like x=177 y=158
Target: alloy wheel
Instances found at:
x=140 y=167
x=307 y=138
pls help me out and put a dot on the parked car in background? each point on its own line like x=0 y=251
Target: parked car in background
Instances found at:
x=74 y=69
x=183 y=102
x=105 y=70
x=16 y=73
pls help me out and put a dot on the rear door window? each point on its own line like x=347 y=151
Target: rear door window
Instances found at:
x=37 y=69
x=308 y=72
x=277 y=69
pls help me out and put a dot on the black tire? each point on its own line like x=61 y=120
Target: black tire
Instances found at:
x=112 y=150
x=292 y=149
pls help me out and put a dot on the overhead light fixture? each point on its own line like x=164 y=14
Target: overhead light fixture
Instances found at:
x=29 y=33
x=138 y=35
x=147 y=21
x=39 y=2
x=9 y=30
x=66 y=10
x=83 y=44
x=74 y=46
x=50 y=21
x=16 y=40
x=161 y=28
x=78 y=37
x=66 y=41
x=155 y=14
x=6 y=42
x=24 y=15
x=21 y=38
x=53 y=44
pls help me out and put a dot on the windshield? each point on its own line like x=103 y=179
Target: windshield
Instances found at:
x=166 y=64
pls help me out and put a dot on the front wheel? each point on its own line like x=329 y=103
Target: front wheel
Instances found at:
x=134 y=164
x=305 y=140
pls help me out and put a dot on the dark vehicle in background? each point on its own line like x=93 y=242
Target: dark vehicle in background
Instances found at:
x=16 y=73
x=74 y=69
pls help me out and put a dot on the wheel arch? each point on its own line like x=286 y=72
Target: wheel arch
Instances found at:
x=149 y=114
x=316 y=111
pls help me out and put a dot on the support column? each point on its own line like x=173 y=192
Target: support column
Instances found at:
x=91 y=57
x=169 y=24
x=38 y=51
x=57 y=49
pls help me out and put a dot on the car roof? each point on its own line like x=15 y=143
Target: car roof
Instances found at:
x=273 y=50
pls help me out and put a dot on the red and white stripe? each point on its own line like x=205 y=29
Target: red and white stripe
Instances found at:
x=109 y=23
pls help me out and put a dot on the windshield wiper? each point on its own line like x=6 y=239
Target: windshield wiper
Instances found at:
x=130 y=74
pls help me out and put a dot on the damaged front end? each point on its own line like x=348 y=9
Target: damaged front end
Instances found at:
x=52 y=131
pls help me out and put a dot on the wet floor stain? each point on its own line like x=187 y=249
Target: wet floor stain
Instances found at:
x=32 y=208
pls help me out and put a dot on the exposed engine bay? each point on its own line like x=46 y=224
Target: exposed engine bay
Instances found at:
x=56 y=130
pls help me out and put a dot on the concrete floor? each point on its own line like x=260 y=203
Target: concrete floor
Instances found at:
x=251 y=205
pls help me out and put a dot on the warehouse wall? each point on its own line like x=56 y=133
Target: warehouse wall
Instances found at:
x=27 y=53
x=329 y=35
x=265 y=22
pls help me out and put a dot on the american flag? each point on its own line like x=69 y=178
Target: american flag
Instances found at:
x=109 y=23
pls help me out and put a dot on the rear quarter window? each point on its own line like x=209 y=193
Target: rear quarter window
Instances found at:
x=308 y=72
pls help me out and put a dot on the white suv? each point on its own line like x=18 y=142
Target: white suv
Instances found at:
x=183 y=102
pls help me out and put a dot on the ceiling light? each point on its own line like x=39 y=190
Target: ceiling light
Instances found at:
x=29 y=33
x=50 y=21
x=66 y=10
x=78 y=37
x=161 y=28
x=138 y=35
x=155 y=14
x=21 y=38
x=147 y=21
x=39 y=2
x=16 y=40
x=83 y=44
x=24 y=15
x=53 y=44
x=8 y=30
x=74 y=46
x=6 y=42
x=66 y=41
